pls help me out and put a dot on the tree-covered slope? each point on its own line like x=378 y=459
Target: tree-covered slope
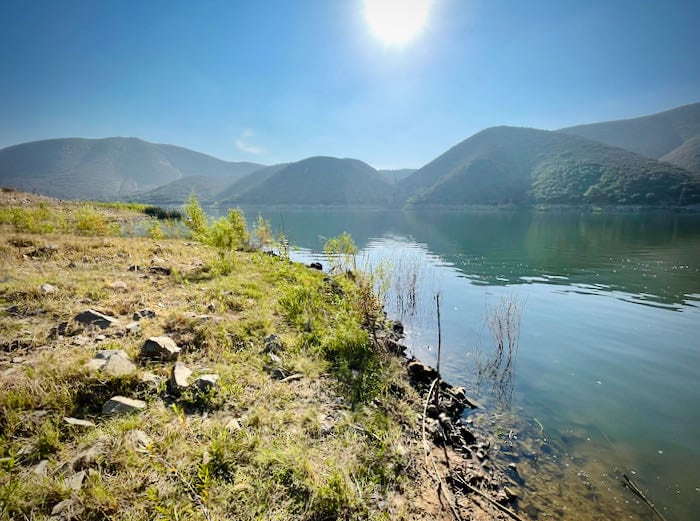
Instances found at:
x=504 y=165
x=656 y=135
x=322 y=181
x=110 y=168
x=234 y=190
x=206 y=188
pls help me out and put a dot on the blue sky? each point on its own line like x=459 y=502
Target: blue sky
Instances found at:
x=274 y=81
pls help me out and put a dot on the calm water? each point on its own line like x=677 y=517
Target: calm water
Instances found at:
x=607 y=375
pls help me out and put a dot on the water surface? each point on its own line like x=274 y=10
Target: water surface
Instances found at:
x=607 y=375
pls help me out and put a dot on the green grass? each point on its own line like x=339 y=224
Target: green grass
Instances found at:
x=315 y=447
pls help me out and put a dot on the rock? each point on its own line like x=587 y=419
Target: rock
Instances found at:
x=47 y=288
x=132 y=328
x=467 y=435
x=397 y=329
x=421 y=373
x=90 y=317
x=118 y=365
x=206 y=382
x=316 y=266
x=144 y=313
x=511 y=493
x=161 y=348
x=150 y=378
x=277 y=374
x=92 y=455
x=41 y=468
x=67 y=509
x=134 y=267
x=122 y=404
x=43 y=251
x=119 y=285
x=59 y=330
x=272 y=344
x=179 y=377
x=75 y=482
x=274 y=358
x=114 y=362
x=77 y=422
x=233 y=425
x=138 y=440
x=160 y=270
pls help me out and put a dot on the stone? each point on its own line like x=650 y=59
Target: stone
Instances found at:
x=92 y=455
x=118 y=365
x=114 y=362
x=161 y=348
x=75 y=482
x=122 y=404
x=67 y=509
x=233 y=425
x=143 y=313
x=138 y=440
x=41 y=468
x=274 y=358
x=119 y=285
x=179 y=377
x=77 y=422
x=47 y=288
x=316 y=266
x=421 y=373
x=206 y=382
x=90 y=317
x=272 y=344
x=132 y=328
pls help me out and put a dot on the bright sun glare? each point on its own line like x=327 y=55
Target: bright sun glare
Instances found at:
x=396 y=21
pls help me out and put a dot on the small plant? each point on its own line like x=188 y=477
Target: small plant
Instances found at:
x=195 y=218
x=263 y=233
x=154 y=229
x=341 y=252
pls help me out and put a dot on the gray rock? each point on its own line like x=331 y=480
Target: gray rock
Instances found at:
x=272 y=344
x=41 y=468
x=421 y=373
x=206 y=382
x=179 y=377
x=119 y=285
x=67 y=509
x=47 y=288
x=138 y=440
x=114 y=362
x=233 y=425
x=122 y=404
x=274 y=358
x=75 y=482
x=144 y=313
x=91 y=456
x=77 y=422
x=161 y=348
x=90 y=317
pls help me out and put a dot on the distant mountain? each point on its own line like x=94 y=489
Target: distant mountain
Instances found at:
x=322 y=181
x=237 y=188
x=503 y=165
x=206 y=188
x=396 y=175
x=110 y=168
x=670 y=136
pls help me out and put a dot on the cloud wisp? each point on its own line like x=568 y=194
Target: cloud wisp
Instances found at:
x=244 y=143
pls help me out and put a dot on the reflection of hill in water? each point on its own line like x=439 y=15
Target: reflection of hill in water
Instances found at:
x=653 y=255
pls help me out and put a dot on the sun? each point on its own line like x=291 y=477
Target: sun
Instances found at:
x=397 y=21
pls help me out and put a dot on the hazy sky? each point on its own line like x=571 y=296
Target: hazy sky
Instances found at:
x=273 y=81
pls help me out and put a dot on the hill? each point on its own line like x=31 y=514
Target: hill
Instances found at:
x=322 y=181
x=234 y=190
x=502 y=165
x=657 y=135
x=110 y=168
x=396 y=175
x=206 y=188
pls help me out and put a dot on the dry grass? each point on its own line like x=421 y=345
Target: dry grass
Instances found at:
x=325 y=445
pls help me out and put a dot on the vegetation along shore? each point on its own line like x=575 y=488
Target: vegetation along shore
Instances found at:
x=153 y=371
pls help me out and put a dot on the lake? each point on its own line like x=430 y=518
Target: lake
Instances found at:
x=606 y=380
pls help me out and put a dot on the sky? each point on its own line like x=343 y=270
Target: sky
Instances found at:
x=281 y=80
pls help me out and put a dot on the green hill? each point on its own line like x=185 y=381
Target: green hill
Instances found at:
x=110 y=168
x=233 y=191
x=658 y=135
x=321 y=181
x=206 y=188
x=503 y=165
